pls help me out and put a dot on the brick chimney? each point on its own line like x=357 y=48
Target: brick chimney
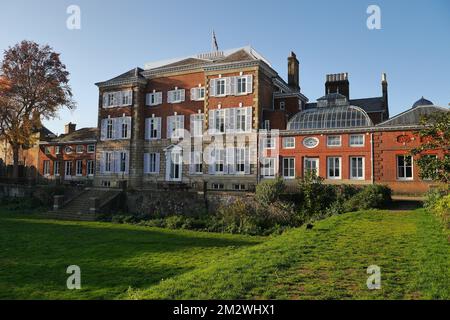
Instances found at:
x=293 y=72
x=338 y=83
x=384 y=88
x=69 y=128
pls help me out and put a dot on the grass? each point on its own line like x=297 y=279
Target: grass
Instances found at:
x=130 y=262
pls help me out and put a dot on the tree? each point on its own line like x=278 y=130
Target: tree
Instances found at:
x=435 y=136
x=34 y=86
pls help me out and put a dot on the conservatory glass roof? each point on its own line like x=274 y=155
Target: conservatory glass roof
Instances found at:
x=330 y=118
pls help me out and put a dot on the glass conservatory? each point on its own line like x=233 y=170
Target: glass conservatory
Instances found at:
x=330 y=118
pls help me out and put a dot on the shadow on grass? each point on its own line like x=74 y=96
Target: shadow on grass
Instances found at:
x=34 y=255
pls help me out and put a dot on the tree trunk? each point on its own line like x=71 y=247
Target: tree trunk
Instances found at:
x=15 y=149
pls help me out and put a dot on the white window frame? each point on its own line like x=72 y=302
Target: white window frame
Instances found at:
x=363 y=169
x=269 y=145
x=404 y=178
x=198 y=94
x=290 y=167
x=57 y=149
x=89 y=146
x=78 y=168
x=109 y=134
x=79 y=149
x=329 y=139
x=220 y=83
x=56 y=168
x=354 y=136
x=175 y=127
x=197 y=120
x=46 y=168
x=153 y=99
x=315 y=159
x=66 y=165
x=241 y=85
x=90 y=168
x=268 y=172
x=285 y=143
x=47 y=150
x=176 y=96
x=333 y=176
x=109 y=162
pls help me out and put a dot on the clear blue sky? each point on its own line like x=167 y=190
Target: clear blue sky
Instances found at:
x=413 y=46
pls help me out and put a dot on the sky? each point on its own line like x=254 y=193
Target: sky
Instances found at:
x=412 y=46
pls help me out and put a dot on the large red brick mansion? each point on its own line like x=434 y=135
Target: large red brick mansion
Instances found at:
x=226 y=120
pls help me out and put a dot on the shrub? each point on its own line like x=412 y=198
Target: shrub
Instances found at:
x=370 y=197
x=431 y=198
x=442 y=209
x=315 y=196
x=269 y=191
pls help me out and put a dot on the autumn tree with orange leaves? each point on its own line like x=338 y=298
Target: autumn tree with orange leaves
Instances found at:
x=34 y=85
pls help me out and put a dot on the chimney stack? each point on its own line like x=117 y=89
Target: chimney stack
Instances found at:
x=384 y=88
x=69 y=128
x=293 y=72
x=338 y=83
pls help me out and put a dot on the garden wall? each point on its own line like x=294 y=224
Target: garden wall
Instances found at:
x=175 y=202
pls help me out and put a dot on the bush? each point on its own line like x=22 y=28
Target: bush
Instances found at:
x=442 y=209
x=370 y=197
x=431 y=198
x=315 y=196
x=269 y=191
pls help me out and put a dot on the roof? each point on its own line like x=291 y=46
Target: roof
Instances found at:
x=330 y=118
x=422 y=102
x=412 y=116
x=83 y=134
x=233 y=55
x=130 y=76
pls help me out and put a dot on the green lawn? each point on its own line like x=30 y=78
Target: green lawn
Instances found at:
x=327 y=262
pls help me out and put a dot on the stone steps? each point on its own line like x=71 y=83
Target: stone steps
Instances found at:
x=79 y=207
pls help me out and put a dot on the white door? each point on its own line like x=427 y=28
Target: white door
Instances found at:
x=68 y=170
x=174 y=167
x=311 y=165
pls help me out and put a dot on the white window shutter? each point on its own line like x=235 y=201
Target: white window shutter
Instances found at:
x=212 y=162
x=183 y=94
x=233 y=85
x=118 y=98
x=247 y=160
x=102 y=162
x=248 y=119
x=158 y=128
x=230 y=160
x=103 y=129
x=158 y=98
x=147 y=128
x=146 y=162
x=130 y=97
x=180 y=126
x=127 y=162
x=169 y=96
x=212 y=122
x=147 y=99
x=157 y=164
x=212 y=87
x=128 y=121
x=228 y=86
x=194 y=95
x=169 y=127
x=105 y=100
x=249 y=82
x=192 y=163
